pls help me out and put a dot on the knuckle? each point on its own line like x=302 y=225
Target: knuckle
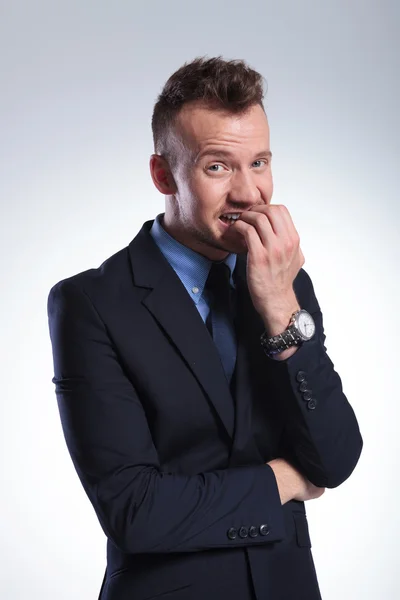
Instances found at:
x=276 y=253
x=260 y=217
x=249 y=232
x=289 y=246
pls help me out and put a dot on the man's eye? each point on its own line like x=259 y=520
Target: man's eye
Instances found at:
x=213 y=169
x=259 y=162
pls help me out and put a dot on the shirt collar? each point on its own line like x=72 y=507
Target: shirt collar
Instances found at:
x=191 y=267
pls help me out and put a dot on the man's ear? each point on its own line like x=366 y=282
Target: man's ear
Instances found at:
x=161 y=175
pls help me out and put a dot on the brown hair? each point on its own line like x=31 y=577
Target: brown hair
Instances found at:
x=227 y=85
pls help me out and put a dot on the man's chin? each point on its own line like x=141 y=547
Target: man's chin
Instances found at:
x=233 y=242
x=229 y=242
x=233 y=245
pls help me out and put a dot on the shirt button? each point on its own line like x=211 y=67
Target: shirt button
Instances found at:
x=301 y=376
x=243 y=532
x=253 y=531
x=232 y=533
x=264 y=529
x=195 y=290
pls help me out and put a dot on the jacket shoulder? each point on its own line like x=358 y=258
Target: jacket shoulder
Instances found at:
x=95 y=280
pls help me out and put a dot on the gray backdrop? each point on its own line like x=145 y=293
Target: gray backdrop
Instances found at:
x=78 y=84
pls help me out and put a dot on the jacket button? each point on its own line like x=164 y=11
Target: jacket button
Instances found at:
x=253 y=531
x=307 y=395
x=232 y=533
x=312 y=404
x=303 y=387
x=301 y=376
x=264 y=530
x=243 y=532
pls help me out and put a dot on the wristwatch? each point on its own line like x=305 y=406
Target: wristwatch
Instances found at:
x=301 y=329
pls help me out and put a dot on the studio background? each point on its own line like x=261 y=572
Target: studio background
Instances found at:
x=78 y=85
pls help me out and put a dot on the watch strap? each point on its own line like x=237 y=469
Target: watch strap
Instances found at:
x=278 y=343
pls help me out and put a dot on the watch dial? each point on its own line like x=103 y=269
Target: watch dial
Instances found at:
x=306 y=325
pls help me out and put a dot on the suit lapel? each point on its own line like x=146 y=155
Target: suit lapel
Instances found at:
x=174 y=310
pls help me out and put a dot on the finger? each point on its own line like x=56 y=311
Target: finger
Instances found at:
x=253 y=241
x=277 y=218
x=289 y=221
x=283 y=224
x=260 y=222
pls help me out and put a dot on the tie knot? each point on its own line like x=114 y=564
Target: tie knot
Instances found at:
x=219 y=276
x=218 y=283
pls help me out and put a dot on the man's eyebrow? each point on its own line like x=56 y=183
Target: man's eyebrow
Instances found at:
x=223 y=153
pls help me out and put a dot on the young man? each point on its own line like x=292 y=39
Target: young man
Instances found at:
x=198 y=403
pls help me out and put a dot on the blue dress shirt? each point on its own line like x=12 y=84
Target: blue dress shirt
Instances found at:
x=191 y=267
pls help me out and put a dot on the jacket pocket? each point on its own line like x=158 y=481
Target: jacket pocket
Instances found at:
x=302 y=533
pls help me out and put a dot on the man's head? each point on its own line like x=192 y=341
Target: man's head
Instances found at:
x=212 y=153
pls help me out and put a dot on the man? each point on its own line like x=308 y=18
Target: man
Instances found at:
x=197 y=400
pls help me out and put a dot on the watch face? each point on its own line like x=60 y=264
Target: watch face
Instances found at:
x=305 y=325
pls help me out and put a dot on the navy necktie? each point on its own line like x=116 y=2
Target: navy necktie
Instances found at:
x=220 y=322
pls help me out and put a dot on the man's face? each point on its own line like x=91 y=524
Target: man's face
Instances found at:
x=223 y=166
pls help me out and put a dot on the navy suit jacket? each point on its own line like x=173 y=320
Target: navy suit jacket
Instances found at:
x=171 y=457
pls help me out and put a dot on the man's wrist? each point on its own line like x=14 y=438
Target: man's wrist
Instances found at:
x=285 y=354
x=276 y=316
x=276 y=323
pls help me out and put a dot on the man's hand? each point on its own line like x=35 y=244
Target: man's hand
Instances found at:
x=291 y=484
x=273 y=261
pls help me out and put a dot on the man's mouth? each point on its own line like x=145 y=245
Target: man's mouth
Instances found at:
x=229 y=218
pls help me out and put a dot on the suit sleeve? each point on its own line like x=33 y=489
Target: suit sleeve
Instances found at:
x=141 y=508
x=322 y=438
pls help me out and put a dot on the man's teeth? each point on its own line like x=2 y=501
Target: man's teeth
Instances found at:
x=232 y=217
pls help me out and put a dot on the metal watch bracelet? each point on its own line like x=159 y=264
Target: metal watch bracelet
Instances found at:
x=279 y=343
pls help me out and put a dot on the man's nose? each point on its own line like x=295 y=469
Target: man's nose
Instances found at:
x=244 y=190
